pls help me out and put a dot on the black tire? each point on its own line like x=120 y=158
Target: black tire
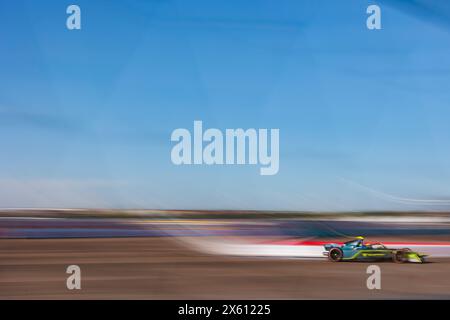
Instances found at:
x=399 y=256
x=335 y=255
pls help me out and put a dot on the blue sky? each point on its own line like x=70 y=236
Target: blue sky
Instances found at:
x=86 y=115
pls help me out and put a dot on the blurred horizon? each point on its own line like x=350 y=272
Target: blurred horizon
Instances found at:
x=86 y=115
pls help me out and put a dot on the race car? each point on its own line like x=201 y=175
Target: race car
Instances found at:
x=357 y=250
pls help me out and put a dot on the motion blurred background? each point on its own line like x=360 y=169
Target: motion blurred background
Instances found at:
x=86 y=117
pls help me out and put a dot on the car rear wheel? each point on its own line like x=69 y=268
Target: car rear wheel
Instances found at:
x=399 y=256
x=335 y=254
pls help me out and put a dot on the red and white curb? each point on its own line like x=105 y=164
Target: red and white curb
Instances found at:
x=300 y=249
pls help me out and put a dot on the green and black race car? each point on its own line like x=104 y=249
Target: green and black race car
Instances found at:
x=357 y=250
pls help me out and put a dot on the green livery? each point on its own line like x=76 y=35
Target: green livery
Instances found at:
x=357 y=250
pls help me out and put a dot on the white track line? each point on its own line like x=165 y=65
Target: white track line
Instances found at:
x=223 y=247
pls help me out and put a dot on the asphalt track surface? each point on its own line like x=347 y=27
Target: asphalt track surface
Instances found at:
x=165 y=268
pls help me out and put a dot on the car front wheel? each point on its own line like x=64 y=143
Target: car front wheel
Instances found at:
x=399 y=256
